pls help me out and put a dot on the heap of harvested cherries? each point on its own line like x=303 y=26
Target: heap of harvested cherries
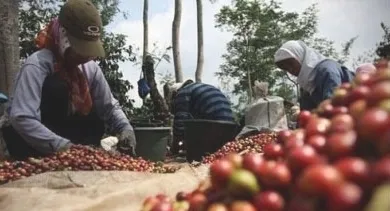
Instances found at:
x=78 y=158
x=251 y=144
x=335 y=161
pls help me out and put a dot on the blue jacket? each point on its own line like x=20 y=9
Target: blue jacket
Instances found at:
x=200 y=101
x=329 y=75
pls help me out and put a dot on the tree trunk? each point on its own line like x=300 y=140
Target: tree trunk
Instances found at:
x=160 y=110
x=176 y=41
x=250 y=91
x=9 y=44
x=146 y=30
x=200 y=61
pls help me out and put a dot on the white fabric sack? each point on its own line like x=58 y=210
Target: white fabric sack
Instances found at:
x=260 y=89
x=267 y=112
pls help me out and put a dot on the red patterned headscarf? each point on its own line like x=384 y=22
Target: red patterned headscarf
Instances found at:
x=53 y=37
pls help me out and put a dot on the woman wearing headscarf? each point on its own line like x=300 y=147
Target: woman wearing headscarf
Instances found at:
x=316 y=75
x=61 y=96
x=368 y=68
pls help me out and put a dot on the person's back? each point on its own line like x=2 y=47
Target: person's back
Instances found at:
x=328 y=75
x=204 y=101
x=197 y=101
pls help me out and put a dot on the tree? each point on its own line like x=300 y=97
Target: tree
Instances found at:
x=152 y=104
x=147 y=110
x=9 y=49
x=176 y=41
x=200 y=60
x=34 y=14
x=200 y=56
x=160 y=108
x=383 y=48
x=146 y=30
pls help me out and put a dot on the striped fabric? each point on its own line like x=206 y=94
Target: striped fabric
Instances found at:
x=200 y=101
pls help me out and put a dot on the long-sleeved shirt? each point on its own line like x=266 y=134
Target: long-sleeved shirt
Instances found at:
x=199 y=101
x=24 y=108
x=329 y=75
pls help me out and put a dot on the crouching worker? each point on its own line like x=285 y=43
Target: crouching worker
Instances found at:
x=61 y=96
x=317 y=75
x=191 y=100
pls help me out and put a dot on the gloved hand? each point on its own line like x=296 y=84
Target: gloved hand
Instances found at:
x=65 y=147
x=127 y=142
x=295 y=112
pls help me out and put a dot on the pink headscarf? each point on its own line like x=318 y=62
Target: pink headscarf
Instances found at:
x=366 y=68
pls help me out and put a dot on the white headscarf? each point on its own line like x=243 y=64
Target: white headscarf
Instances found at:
x=174 y=88
x=306 y=56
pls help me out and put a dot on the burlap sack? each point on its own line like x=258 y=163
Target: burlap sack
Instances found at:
x=95 y=191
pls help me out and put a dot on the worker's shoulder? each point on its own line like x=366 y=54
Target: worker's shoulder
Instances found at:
x=201 y=87
x=91 y=66
x=329 y=65
x=43 y=59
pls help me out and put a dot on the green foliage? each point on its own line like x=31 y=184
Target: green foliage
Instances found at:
x=35 y=14
x=145 y=111
x=285 y=90
x=158 y=55
x=166 y=78
x=383 y=48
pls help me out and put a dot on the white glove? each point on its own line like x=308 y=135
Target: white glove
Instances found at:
x=109 y=143
x=295 y=112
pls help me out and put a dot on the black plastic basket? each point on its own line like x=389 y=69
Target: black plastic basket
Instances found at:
x=207 y=136
x=146 y=123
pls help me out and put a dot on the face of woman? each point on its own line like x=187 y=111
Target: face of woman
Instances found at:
x=291 y=66
x=74 y=59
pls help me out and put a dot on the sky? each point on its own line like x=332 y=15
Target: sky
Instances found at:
x=339 y=20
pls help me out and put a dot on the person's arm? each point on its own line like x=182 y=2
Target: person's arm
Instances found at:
x=178 y=125
x=25 y=114
x=181 y=106
x=305 y=101
x=106 y=105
